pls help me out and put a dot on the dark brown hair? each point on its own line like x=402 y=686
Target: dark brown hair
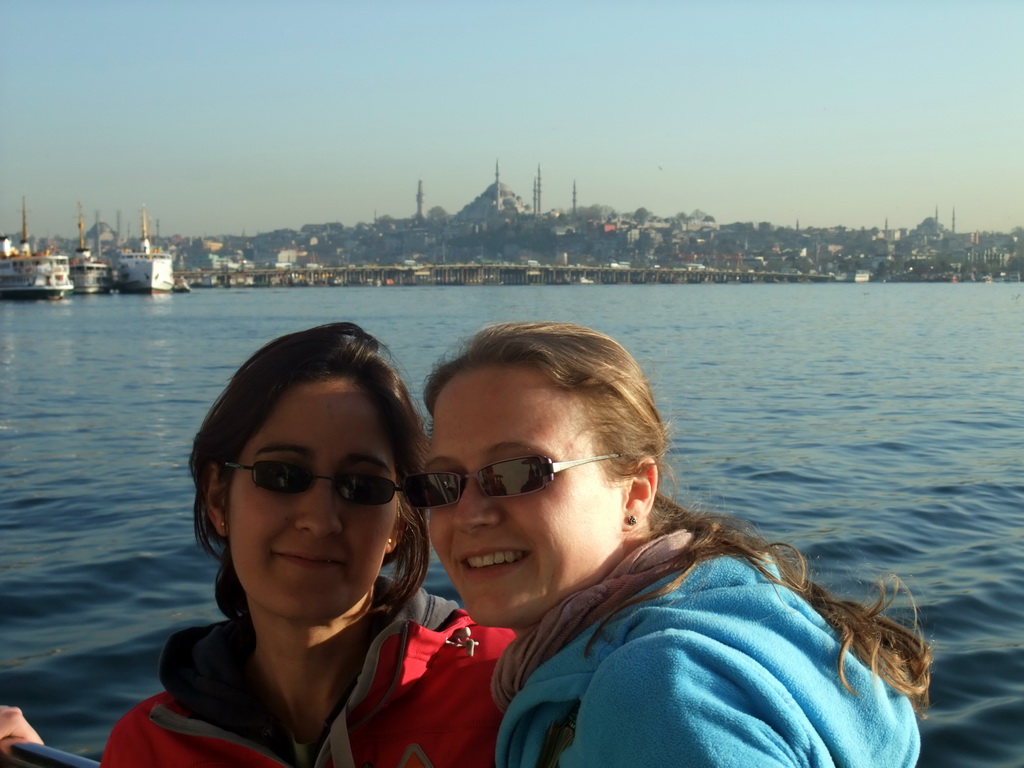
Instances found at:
x=619 y=404
x=324 y=353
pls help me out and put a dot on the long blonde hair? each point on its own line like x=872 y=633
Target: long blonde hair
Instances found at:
x=619 y=404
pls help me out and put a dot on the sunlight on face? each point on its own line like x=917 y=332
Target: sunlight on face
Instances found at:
x=514 y=558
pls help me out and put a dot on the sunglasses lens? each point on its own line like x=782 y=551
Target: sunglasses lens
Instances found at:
x=281 y=477
x=365 y=489
x=432 y=489
x=515 y=476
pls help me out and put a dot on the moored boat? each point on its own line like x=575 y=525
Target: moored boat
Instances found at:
x=88 y=273
x=146 y=270
x=859 y=276
x=27 y=275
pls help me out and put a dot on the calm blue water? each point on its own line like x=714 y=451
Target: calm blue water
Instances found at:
x=879 y=428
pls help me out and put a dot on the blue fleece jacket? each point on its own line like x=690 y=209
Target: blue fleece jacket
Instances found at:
x=728 y=670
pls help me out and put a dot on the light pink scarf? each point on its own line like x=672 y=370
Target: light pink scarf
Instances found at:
x=563 y=623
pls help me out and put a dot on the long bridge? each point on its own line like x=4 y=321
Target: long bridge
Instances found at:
x=484 y=274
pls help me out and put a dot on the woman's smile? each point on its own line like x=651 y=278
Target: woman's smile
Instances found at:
x=310 y=560
x=495 y=558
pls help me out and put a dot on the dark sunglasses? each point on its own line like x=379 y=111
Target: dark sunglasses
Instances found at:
x=282 y=477
x=511 y=477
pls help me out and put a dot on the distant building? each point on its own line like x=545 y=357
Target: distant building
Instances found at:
x=498 y=199
x=106 y=233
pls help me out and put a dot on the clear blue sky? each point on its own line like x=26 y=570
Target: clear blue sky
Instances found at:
x=224 y=116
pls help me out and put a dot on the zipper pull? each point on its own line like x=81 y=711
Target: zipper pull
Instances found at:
x=461 y=639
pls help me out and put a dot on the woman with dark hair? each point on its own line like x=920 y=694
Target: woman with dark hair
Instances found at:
x=322 y=660
x=646 y=633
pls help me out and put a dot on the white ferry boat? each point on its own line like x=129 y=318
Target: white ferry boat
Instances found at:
x=27 y=275
x=860 y=276
x=146 y=270
x=89 y=274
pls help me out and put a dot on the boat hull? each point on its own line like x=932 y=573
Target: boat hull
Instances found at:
x=145 y=274
x=35 y=277
x=32 y=294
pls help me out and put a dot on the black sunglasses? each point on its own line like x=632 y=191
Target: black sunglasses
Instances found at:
x=282 y=477
x=511 y=477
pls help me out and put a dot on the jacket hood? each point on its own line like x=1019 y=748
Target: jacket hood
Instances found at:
x=203 y=668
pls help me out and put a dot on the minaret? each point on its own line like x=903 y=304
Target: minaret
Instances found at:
x=954 y=220
x=537 y=209
x=574 y=198
x=419 y=201
x=497 y=187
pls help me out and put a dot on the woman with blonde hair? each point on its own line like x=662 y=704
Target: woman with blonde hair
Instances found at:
x=646 y=633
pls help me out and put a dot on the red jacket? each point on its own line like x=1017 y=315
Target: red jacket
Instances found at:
x=422 y=699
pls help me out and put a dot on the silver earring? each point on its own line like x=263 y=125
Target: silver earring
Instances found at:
x=631 y=520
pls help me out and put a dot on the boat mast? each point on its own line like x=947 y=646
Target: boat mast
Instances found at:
x=145 y=235
x=25 y=250
x=82 y=249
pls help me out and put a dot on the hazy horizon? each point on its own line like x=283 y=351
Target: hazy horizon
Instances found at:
x=234 y=117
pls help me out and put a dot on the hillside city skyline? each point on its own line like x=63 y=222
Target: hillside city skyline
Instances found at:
x=128 y=224
x=499 y=226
